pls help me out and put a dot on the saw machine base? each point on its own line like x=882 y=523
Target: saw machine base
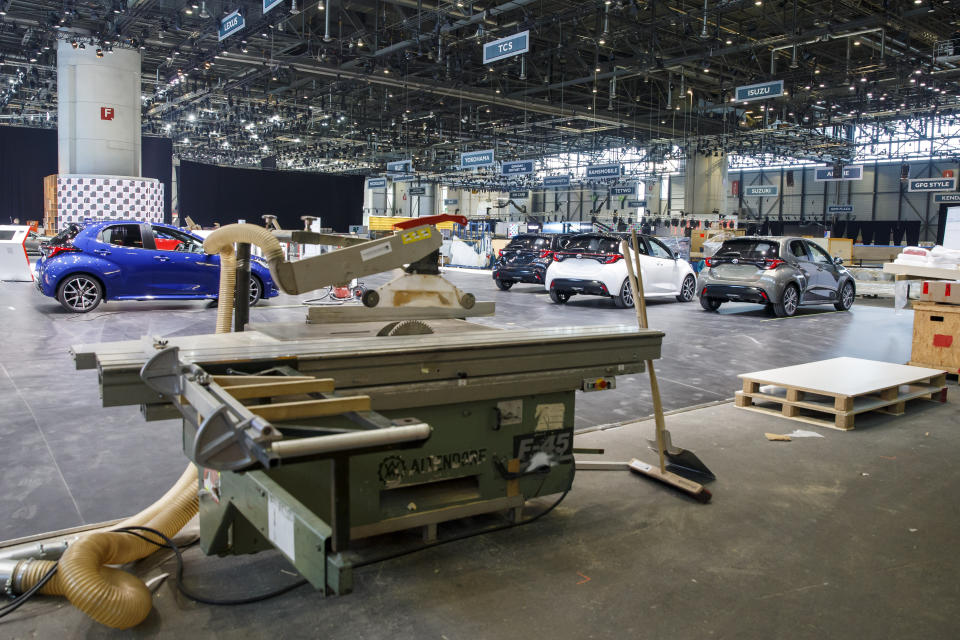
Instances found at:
x=316 y=444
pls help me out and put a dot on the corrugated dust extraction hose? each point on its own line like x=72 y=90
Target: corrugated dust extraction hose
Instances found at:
x=111 y=596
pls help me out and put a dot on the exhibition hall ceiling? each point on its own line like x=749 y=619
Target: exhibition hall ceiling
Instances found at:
x=345 y=85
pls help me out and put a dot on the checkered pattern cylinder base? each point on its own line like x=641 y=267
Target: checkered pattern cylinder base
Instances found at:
x=83 y=198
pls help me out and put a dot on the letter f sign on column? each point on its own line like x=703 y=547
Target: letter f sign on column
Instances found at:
x=106 y=113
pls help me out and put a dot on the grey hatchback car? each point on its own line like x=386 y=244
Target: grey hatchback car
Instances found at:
x=782 y=273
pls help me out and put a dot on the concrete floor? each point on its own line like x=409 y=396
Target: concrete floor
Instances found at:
x=849 y=535
x=812 y=538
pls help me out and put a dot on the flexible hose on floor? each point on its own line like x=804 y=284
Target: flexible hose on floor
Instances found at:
x=111 y=596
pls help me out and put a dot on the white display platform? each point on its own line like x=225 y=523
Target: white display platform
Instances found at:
x=14 y=263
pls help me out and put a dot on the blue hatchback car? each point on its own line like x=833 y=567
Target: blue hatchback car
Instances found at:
x=130 y=260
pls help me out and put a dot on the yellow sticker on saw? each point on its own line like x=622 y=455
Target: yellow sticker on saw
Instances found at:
x=416 y=235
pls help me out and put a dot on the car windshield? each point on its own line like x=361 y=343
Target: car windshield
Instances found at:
x=67 y=235
x=527 y=242
x=749 y=249
x=593 y=244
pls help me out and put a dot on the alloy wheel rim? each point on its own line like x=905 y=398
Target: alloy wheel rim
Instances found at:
x=847 y=295
x=80 y=293
x=687 y=292
x=627 y=294
x=790 y=300
x=254 y=290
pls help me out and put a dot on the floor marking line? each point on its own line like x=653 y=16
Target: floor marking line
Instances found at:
x=684 y=384
x=585 y=580
x=45 y=442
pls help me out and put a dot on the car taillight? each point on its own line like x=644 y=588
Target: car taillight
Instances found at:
x=559 y=257
x=55 y=250
x=710 y=262
x=611 y=258
x=546 y=253
x=772 y=264
x=500 y=253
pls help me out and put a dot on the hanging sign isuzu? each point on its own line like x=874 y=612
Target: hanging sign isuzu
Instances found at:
x=760 y=91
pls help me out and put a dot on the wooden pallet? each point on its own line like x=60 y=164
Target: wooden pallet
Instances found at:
x=835 y=409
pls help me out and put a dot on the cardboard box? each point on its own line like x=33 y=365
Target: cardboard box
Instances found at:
x=947 y=292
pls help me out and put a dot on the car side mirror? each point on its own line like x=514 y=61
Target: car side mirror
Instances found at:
x=838 y=261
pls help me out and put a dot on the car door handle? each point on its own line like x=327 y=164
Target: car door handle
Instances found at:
x=101 y=252
x=161 y=258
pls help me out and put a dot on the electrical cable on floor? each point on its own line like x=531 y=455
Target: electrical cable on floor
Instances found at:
x=29 y=593
x=169 y=544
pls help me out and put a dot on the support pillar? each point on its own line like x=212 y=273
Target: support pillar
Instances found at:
x=98 y=111
x=705 y=184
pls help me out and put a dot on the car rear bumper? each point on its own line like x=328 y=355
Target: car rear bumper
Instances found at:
x=734 y=293
x=526 y=273
x=574 y=285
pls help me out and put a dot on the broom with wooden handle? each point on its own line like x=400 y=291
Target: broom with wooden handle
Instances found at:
x=694 y=489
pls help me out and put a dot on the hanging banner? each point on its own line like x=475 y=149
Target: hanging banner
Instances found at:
x=839 y=208
x=376 y=183
x=450 y=202
x=946 y=197
x=624 y=191
x=409 y=177
x=519 y=168
x=506 y=47
x=417 y=191
x=230 y=25
x=270 y=4
x=761 y=191
x=604 y=171
x=637 y=204
x=827 y=174
x=400 y=166
x=473 y=159
x=556 y=181
x=760 y=91
x=932 y=184
x=519 y=195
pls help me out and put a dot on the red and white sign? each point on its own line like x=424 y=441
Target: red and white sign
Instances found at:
x=106 y=113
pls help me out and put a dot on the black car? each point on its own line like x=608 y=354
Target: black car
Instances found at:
x=526 y=258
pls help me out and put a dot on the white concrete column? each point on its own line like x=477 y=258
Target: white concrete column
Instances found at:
x=98 y=111
x=705 y=184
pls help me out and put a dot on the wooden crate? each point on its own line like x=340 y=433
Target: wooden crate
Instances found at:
x=936 y=336
x=802 y=392
x=940 y=291
x=50 y=205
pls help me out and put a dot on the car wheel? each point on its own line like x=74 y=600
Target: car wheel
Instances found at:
x=687 y=289
x=624 y=299
x=80 y=294
x=846 y=297
x=560 y=297
x=256 y=290
x=710 y=304
x=789 y=301
x=503 y=285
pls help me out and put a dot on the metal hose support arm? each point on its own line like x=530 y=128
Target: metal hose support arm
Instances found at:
x=221 y=241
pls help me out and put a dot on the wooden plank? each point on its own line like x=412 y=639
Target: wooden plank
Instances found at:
x=601 y=465
x=861 y=404
x=749 y=386
x=795 y=395
x=270 y=389
x=231 y=381
x=413 y=520
x=310 y=408
x=742 y=399
x=806 y=419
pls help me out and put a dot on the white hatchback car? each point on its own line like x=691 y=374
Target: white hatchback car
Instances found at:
x=592 y=264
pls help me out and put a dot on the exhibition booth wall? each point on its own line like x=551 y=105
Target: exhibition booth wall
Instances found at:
x=28 y=155
x=211 y=194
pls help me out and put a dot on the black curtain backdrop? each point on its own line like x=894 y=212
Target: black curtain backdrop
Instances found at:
x=209 y=194
x=28 y=155
x=156 y=161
